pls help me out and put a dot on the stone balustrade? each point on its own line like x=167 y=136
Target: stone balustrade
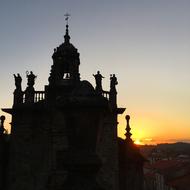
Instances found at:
x=106 y=94
x=38 y=96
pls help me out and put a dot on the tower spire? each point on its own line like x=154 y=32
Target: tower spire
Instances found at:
x=66 y=36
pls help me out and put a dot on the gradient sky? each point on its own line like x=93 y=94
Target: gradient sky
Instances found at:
x=144 y=42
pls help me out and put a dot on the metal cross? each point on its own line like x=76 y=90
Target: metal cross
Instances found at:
x=67 y=15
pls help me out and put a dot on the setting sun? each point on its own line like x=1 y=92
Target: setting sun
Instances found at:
x=138 y=142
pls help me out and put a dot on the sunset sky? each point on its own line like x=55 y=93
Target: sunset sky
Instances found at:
x=146 y=43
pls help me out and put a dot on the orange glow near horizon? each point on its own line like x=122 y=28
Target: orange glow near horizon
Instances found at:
x=138 y=142
x=145 y=130
x=146 y=127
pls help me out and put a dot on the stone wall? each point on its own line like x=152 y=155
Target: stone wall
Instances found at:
x=108 y=152
x=29 y=150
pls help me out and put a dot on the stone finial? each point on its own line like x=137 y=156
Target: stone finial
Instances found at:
x=66 y=36
x=128 y=129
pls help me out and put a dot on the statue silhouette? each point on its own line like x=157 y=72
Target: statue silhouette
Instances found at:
x=18 y=81
x=18 y=94
x=31 y=78
x=98 y=78
x=113 y=82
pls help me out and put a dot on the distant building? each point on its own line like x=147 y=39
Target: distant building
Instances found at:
x=165 y=174
x=65 y=137
x=180 y=183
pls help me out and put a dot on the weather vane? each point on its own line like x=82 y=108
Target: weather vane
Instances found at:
x=67 y=15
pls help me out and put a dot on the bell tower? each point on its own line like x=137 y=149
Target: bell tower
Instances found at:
x=65 y=68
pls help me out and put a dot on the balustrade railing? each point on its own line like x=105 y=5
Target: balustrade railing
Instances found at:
x=36 y=97
x=39 y=95
x=106 y=94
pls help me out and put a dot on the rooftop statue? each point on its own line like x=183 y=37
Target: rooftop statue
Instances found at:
x=113 y=82
x=31 y=78
x=18 y=81
x=98 y=78
x=18 y=94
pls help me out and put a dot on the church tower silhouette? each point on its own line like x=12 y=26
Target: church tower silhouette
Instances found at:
x=64 y=137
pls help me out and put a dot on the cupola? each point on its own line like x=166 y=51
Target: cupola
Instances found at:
x=65 y=68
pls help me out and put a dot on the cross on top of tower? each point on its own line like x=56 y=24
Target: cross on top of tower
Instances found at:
x=67 y=37
x=67 y=15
